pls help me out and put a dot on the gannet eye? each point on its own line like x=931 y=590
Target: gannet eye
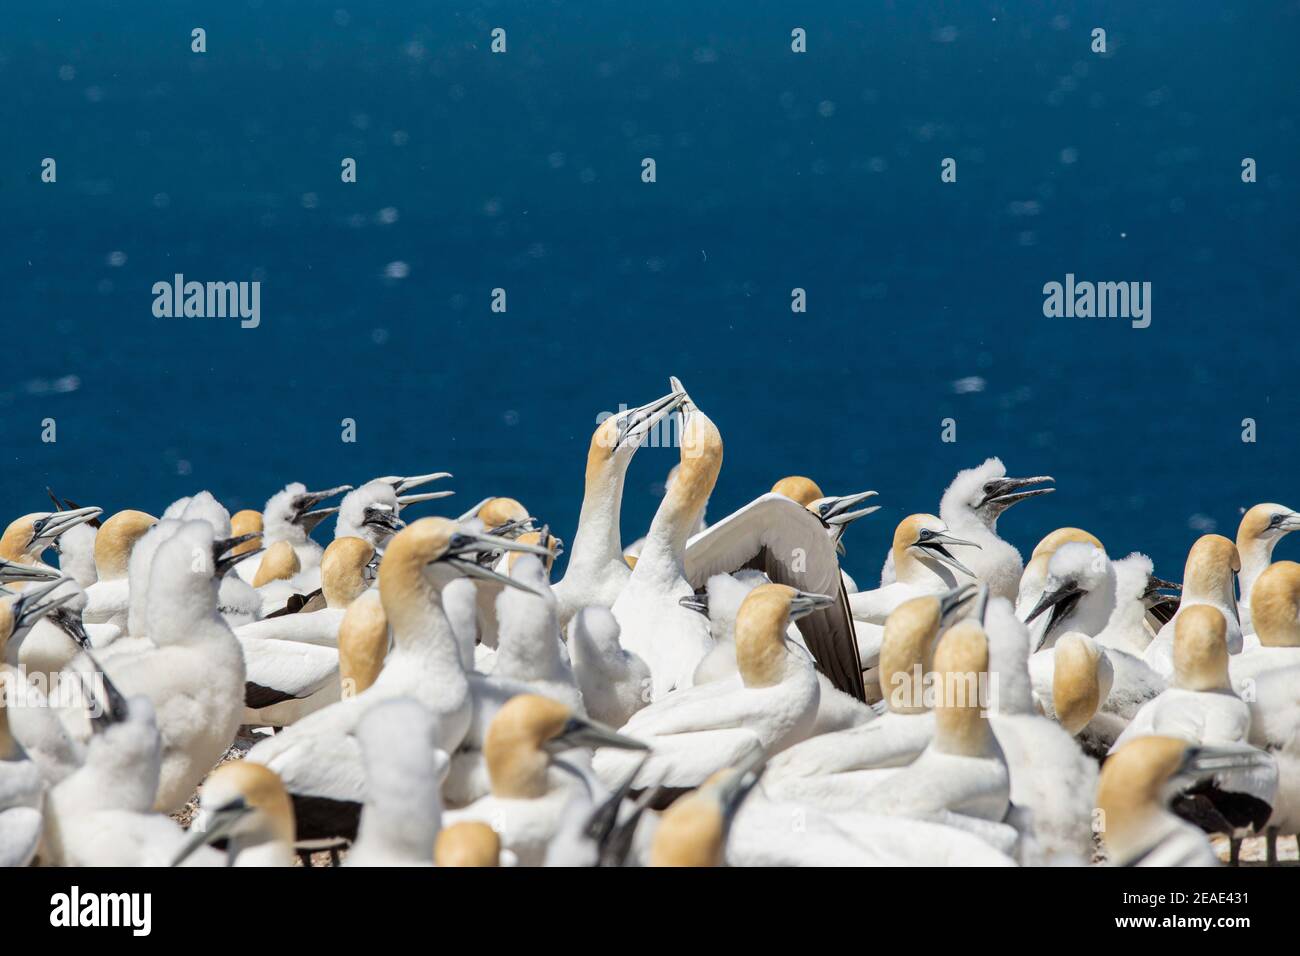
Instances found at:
x=925 y=533
x=1274 y=521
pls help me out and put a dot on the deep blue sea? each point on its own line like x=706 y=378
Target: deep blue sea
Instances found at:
x=775 y=170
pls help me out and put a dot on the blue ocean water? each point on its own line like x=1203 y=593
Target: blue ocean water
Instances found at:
x=775 y=170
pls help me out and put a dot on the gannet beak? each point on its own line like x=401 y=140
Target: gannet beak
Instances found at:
x=733 y=792
x=222 y=561
x=1003 y=494
x=112 y=709
x=512 y=529
x=696 y=602
x=949 y=601
x=220 y=822
x=467 y=543
x=383 y=517
x=635 y=424
x=1290 y=522
x=839 y=511
x=1061 y=600
x=51 y=525
x=981 y=607
x=581 y=732
x=1203 y=761
x=70 y=623
x=803 y=604
x=935 y=545
x=28 y=608
x=302 y=505
x=14 y=571
x=403 y=485
x=405 y=500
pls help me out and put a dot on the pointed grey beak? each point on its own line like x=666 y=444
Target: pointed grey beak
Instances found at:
x=222 y=561
x=1290 y=522
x=107 y=705
x=803 y=604
x=698 y=603
x=949 y=601
x=50 y=526
x=216 y=825
x=934 y=545
x=1061 y=600
x=1001 y=493
x=1207 y=760
x=15 y=571
x=840 y=511
x=581 y=732
x=733 y=791
x=303 y=504
x=635 y=424
x=469 y=543
x=28 y=607
x=405 y=500
x=403 y=485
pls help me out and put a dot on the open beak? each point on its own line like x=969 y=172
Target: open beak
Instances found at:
x=216 y=825
x=383 y=518
x=803 y=604
x=634 y=425
x=222 y=560
x=934 y=545
x=1061 y=600
x=402 y=485
x=14 y=571
x=303 y=504
x=843 y=510
x=70 y=623
x=50 y=526
x=466 y=543
x=1002 y=493
x=28 y=608
x=581 y=732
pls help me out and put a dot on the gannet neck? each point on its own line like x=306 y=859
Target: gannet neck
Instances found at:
x=690 y=833
x=469 y=843
x=528 y=644
x=116 y=537
x=1126 y=621
x=1201 y=649
x=410 y=588
x=1208 y=575
x=906 y=654
x=1130 y=790
x=363 y=643
x=1077 y=691
x=685 y=497
x=760 y=635
x=598 y=542
x=1275 y=605
x=343 y=570
x=961 y=664
x=1260 y=530
x=516 y=762
x=798 y=488
x=182 y=605
x=279 y=563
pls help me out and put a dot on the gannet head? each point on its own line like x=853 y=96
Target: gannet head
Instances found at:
x=29 y=536
x=837 y=512
x=500 y=513
x=907 y=647
x=1211 y=564
x=1081 y=681
x=798 y=488
x=363 y=643
x=117 y=536
x=245 y=522
x=345 y=570
x=1275 y=605
x=184 y=576
x=205 y=507
x=923 y=538
x=1201 y=649
x=543 y=539
x=961 y=664
x=1074 y=571
x=1266 y=523
x=1139 y=780
x=468 y=843
x=244 y=802
x=402 y=486
x=527 y=731
x=618 y=437
x=693 y=831
x=760 y=630
x=19 y=612
x=1061 y=536
x=700 y=460
x=289 y=513
x=985 y=491
x=370 y=512
x=279 y=563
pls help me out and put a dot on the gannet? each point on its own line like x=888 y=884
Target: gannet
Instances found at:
x=1034 y=577
x=835 y=511
x=28 y=537
x=795 y=544
x=1208 y=577
x=633 y=550
x=596 y=572
x=108 y=599
x=530 y=649
x=246 y=805
x=404 y=773
x=1079 y=592
x=653 y=625
x=22 y=789
x=615 y=684
x=469 y=844
x=371 y=511
x=1261 y=528
x=768 y=706
x=290 y=515
x=76 y=546
x=693 y=831
x=922 y=565
x=317 y=757
x=528 y=795
x=1138 y=783
x=194 y=672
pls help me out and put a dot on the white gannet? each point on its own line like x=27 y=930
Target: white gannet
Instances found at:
x=194 y=671
x=246 y=805
x=290 y=515
x=615 y=683
x=76 y=546
x=671 y=639
x=597 y=573
x=22 y=789
x=347 y=571
x=795 y=544
x=371 y=511
x=922 y=565
x=1138 y=783
x=1212 y=563
x=318 y=757
x=529 y=795
x=1034 y=577
x=768 y=706
x=530 y=648
x=1261 y=528
x=27 y=538
x=404 y=773
x=633 y=550
x=108 y=599
x=1079 y=592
